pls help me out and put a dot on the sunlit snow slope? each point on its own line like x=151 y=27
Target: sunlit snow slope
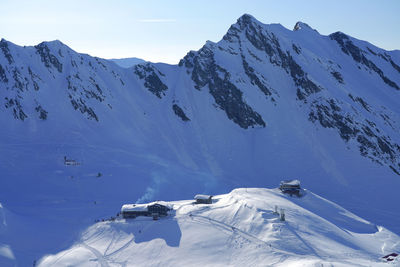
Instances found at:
x=263 y=104
x=238 y=229
x=127 y=62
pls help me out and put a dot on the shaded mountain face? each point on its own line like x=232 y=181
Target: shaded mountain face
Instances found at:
x=263 y=104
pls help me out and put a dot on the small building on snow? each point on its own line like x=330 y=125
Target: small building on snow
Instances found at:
x=154 y=209
x=203 y=199
x=134 y=210
x=291 y=187
x=158 y=210
x=70 y=162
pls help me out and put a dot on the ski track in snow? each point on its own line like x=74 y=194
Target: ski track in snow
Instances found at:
x=100 y=258
x=229 y=215
x=126 y=245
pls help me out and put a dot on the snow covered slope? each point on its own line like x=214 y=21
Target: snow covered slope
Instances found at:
x=7 y=257
x=263 y=104
x=239 y=228
x=127 y=62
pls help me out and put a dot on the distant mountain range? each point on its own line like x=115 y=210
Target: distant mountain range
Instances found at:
x=263 y=104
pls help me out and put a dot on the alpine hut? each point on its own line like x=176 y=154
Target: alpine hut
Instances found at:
x=154 y=209
x=70 y=162
x=291 y=187
x=134 y=210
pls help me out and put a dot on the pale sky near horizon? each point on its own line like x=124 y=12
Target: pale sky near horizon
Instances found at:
x=164 y=31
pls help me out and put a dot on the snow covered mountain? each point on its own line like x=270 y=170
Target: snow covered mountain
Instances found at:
x=239 y=228
x=263 y=104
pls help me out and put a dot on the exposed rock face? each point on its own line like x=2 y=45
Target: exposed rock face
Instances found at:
x=42 y=112
x=3 y=76
x=255 y=79
x=371 y=142
x=179 y=112
x=267 y=42
x=47 y=57
x=15 y=105
x=359 y=56
x=338 y=76
x=6 y=51
x=78 y=76
x=79 y=93
x=152 y=81
x=205 y=72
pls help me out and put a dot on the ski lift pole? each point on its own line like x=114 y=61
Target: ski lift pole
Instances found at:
x=282 y=215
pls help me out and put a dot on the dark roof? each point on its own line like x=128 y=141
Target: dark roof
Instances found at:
x=291 y=182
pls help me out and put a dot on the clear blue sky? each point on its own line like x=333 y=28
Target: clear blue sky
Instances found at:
x=165 y=30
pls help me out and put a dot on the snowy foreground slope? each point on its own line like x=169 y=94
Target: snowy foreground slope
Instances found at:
x=263 y=104
x=238 y=229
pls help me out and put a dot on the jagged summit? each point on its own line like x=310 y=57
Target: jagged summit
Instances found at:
x=303 y=26
x=300 y=25
x=247 y=19
x=53 y=43
x=6 y=42
x=338 y=35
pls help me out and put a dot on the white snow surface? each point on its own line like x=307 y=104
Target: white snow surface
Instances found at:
x=237 y=229
x=134 y=207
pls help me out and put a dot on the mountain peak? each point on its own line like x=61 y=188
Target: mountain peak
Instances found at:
x=56 y=43
x=303 y=26
x=246 y=19
x=4 y=41
x=243 y=22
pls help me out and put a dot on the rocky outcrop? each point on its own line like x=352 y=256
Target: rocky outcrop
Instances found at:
x=179 y=112
x=372 y=142
x=358 y=55
x=151 y=77
x=48 y=59
x=205 y=72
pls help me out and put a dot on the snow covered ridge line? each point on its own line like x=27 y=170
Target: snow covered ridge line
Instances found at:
x=237 y=228
x=127 y=62
x=338 y=83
